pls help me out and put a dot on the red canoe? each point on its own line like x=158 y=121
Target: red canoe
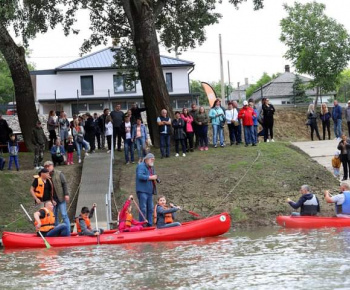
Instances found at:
x=209 y=227
x=312 y=222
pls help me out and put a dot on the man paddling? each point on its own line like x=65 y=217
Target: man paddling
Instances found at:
x=308 y=202
x=342 y=200
x=45 y=222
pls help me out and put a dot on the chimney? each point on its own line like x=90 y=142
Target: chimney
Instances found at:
x=286 y=68
x=246 y=81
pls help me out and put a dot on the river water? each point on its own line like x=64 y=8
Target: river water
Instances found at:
x=260 y=259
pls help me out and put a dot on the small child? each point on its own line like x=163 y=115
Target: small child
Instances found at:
x=336 y=164
x=70 y=150
x=83 y=222
x=126 y=221
x=13 y=151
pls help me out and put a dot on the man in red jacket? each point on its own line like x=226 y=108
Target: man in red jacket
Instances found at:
x=246 y=114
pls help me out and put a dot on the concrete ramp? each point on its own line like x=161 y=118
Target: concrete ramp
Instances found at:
x=94 y=186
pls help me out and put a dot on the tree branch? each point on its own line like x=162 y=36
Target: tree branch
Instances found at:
x=159 y=7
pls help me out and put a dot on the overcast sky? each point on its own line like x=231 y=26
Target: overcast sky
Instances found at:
x=250 y=41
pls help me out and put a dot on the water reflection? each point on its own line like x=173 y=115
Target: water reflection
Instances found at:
x=262 y=259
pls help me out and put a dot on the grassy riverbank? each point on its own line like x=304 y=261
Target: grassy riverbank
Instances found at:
x=14 y=190
x=252 y=183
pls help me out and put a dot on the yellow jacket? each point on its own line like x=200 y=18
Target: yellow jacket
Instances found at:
x=336 y=162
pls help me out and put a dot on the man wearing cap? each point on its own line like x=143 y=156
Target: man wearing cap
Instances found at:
x=42 y=188
x=38 y=140
x=60 y=189
x=246 y=114
x=146 y=179
x=336 y=116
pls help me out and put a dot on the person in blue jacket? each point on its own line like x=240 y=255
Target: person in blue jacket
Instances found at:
x=308 y=202
x=336 y=116
x=146 y=179
x=341 y=201
x=13 y=151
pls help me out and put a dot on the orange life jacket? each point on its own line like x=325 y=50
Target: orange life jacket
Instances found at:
x=48 y=222
x=128 y=220
x=87 y=222
x=39 y=190
x=168 y=217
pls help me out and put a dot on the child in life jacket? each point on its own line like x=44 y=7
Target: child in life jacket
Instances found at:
x=83 y=222
x=336 y=165
x=164 y=215
x=126 y=221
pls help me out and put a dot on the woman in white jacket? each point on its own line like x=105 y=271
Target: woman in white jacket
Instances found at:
x=109 y=132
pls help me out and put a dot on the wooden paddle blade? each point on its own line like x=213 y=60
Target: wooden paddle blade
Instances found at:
x=194 y=214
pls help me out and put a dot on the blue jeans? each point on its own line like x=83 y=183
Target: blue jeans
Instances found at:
x=165 y=144
x=15 y=159
x=337 y=128
x=248 y=134
x=62 y=207
x=140 y=145
x=175 y=224
x=218 y=130
x=255 y=134
x=79 y=147
x=58 y=231
x=146 y=206
x=128 y=147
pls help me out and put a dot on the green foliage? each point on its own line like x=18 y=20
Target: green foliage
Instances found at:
x=299 y=89
x=262 y=81
x=343 y=88
x=317 y=44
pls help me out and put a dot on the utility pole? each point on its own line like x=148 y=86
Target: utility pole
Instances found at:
x=239 y=92
x=222 y=75
x=229 y=79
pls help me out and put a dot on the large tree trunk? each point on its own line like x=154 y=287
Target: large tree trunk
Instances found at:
x=154 y=89
x=15 y=58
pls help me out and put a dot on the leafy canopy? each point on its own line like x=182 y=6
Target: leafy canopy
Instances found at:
x=317 y=44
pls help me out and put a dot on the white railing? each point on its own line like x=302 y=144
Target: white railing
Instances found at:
x=110 y=188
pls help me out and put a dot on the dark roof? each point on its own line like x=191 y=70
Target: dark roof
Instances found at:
x=103 y=59
x=282 y=87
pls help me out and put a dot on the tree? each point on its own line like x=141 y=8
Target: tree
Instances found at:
x=25 y=18
x=196 y=87
x=135 y=25
x=265 y=78
x=343 y=86
x=317 y=44
x=299 y=91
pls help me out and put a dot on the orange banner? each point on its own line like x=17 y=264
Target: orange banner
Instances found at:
x=210 y=93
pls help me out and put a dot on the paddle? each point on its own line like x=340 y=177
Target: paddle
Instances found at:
x=190 y=212
x=98 y=236
x=139 y=210
x=41 y=235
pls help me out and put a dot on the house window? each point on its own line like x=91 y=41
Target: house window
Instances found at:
x=122 y=84
x=286 y=102
x=87 y=85
x=79 y=109
x=96 y=107
x=169 y=81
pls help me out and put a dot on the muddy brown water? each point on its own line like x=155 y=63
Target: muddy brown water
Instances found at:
x=262 y=259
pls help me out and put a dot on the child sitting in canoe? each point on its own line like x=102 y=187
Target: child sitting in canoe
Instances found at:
x=126 y=221
x=164 y=215
x=83 y=222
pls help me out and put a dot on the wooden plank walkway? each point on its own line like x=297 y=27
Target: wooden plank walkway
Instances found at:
x=94 y=186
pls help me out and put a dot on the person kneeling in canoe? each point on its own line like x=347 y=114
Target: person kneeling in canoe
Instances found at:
x=45 y=222
x=308 y=203
x=342 y=200
x=163 y=215
x=126 y=221
x=83 y=222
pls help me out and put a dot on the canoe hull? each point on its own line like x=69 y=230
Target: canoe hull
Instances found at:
x=312 y=222
x=209 y=227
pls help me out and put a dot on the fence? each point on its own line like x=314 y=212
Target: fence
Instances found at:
x=110 y=189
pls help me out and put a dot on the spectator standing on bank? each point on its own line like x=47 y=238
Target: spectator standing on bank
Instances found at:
x=38 y=140
x=90 y=131
x=337 y=119
x=5 y=132
x=164 y=125
x=193 y=113
x=109 y=132
x=202 y=121
x=344 y=148
x=117 y=118
x=255 y=122
x=179 y=135
x=102 y=125
x=97 y=136
x=13 y=152
x=246 y=114
x=325 y=117
x=63 y=127
x=70 y=150
x=188 y=129
x=51 y=127
x=268 y=112
x=239 y=126
x=126 y=129
x=217 y=117
x=347 y=117
x=136 y=111
x=140 y=138
x=231 y=120
x=312 y=116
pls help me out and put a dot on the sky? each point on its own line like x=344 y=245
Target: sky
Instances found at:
x=250 y=42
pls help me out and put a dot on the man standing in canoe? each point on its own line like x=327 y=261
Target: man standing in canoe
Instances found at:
x=45 y=222
x=42 y=188
x=146 y=179
x=342 y=200
x=308 y=202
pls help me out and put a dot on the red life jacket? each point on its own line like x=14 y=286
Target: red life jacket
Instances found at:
x=87 y=222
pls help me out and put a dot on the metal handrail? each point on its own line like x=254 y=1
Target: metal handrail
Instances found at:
x=110 y=188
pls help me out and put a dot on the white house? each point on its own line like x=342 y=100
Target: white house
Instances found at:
x=90 y=84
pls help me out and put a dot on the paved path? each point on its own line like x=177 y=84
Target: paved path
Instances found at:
x=94 y=186
x=321 y=151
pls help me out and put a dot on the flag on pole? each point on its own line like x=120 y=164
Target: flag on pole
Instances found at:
x=210 y=93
